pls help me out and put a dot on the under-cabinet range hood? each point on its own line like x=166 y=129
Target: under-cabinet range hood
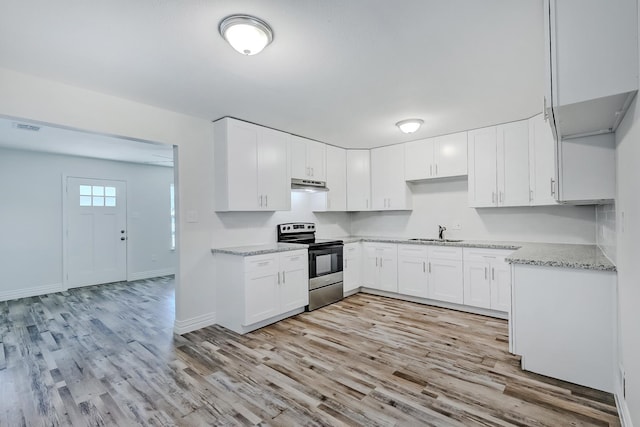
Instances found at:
x=308 y=185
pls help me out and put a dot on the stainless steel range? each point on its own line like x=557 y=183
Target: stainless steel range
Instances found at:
x=325 y=262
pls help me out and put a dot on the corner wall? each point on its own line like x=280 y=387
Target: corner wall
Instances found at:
x=628 y=253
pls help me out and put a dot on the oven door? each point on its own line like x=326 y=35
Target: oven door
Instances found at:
x=325 y=260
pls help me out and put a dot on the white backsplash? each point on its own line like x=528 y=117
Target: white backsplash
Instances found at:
x=606 y=229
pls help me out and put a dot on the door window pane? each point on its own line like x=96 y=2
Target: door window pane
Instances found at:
x=98 y=190
x=110 y=191
x=85 y=190
x=85 y=200
x=98 y=201
x=110 y=201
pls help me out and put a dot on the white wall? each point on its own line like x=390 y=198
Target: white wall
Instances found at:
x=244 y=228
x=628 y=252
x=445 y=202
x=606 y=229
x=32 y=199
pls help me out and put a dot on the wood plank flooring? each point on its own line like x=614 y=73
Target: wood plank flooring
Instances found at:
x=106 y=355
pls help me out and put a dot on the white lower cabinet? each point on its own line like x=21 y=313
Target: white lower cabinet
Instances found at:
x=433 y=272
x=380 y=266
x=487 y=279
x=351 y=266
x=412 y=270
x=254 y=291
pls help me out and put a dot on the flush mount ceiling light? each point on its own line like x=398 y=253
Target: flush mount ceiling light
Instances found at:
x=246 y=34
x=410 y=125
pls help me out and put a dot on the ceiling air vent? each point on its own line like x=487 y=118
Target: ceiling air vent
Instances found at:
x=25 y=126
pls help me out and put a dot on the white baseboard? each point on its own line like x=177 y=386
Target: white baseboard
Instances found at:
x=623 y=411
x=31 y=292
x=183 y=326
x=149 y=274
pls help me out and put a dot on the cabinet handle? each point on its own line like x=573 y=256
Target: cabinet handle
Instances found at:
x=493 y=273
x=501 y=196
x=431 y=170
x=389 y=203
x=263 y=263
x=424 y=268
x=266 y=201
x=308 y=171
x=493 y=197
x=376 y=261
x=530 y=195
x=485 y=273
x=367 y=201
x=429 y=267
x=278 y=277
x=436 y=169
x=380 y=262
x=553 y=187
x=261 y=200
x=284 y=278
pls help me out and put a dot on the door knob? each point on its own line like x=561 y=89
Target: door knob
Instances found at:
x=123 y=238
x=122 y=231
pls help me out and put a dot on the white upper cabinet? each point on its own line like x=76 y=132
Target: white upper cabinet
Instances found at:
x=358 y=180
x=336 y=198
x=251 y=167
x=483 y=167
x=419 y=159
x=439 y=157
x=308 y=159
x=499 y=165
x=513 y=164
x=389 y=190
x=542 y=161
x=591 y=63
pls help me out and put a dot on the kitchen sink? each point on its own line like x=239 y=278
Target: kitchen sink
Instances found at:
x=435 y=240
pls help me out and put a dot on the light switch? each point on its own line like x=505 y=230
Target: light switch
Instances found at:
x=192 y=216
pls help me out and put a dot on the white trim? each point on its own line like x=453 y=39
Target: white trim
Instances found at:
x=459 y=307
x=183 y=326
x=623 y=410
x=31 y=292
x=149 y=274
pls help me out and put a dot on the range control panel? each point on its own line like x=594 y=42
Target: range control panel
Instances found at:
x=297 y=227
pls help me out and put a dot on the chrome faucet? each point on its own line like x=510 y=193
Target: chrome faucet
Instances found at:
x=441 y=230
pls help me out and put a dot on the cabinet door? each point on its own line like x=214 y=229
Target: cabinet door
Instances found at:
x=450 y=155
x=262 y=297
x=299 y=167
x=358 y=180
x=482 y=167
x=388 y=268
x=445 y=280
x=419 y=160
x=294 y=281
x=412 y=270
x=336 y=197
x=477 y=286
x=242 y=166
x=542 y=162
x=513 y=164
x=351 y=266
x=500 y=286
x=370 y=267
x=381 y=175
x=274 y=180
x=316 y=160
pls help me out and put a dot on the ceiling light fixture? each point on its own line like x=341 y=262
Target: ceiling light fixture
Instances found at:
x=410 y=125
x=246 y=34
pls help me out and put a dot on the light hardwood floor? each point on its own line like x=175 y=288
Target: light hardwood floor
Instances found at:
x=105 y=355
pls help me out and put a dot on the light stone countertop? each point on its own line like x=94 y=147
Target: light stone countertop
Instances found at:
x=588 y=257
x=267 y=248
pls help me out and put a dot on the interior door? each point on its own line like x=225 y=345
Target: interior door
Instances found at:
x=96 y=232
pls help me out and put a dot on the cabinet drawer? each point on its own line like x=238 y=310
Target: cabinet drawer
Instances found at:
x=294 y=260
x=419 y=251
x=262 y=263
x=352 y=249
x=445 y=252
x=480 y=254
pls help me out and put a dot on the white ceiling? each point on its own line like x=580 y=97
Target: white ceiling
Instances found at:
x=53 y=139
x=342 y=72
